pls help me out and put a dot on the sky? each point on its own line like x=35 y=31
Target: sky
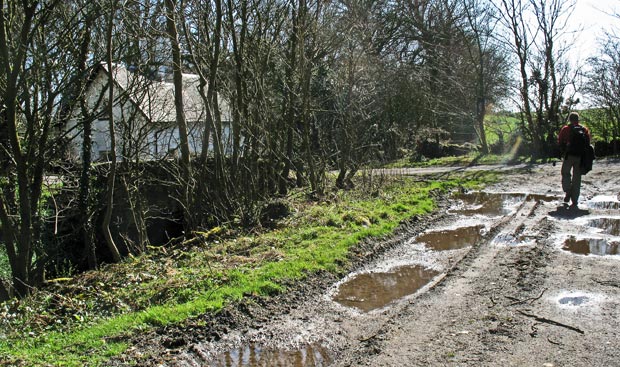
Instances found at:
x=590 y=15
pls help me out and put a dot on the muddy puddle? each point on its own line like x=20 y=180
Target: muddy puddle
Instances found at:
x=451 y=239
x=253 y=355
x=371 y=291
x=608 y=225
x=495 y=204
x=604 y=203
x=591 y=246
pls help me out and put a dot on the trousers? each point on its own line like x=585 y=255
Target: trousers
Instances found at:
x=571 y=177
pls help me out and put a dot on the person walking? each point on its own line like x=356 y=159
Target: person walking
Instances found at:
x=573 y=140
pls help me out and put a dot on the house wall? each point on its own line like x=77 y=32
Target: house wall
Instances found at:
x=145 y=125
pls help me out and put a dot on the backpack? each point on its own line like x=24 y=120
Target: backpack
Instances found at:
x=587 y=159
x=578 y=140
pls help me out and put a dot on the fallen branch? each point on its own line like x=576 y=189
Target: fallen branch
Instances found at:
x=530 y=300
x=551 y=322
x=610 y=283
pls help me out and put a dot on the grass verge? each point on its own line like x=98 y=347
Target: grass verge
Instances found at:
x=87 y=320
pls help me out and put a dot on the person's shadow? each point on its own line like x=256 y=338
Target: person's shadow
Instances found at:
x=566 y=212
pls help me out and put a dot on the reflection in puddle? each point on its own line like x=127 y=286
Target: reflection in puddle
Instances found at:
x=604 y=202
x=574 y=301
x=451 y=239
x=542 y=197
x=253 y=355
x=592 y=246
x=483 y=203
x=370 y=291
x=609 y=225
x=495 y=204
x=604 y=205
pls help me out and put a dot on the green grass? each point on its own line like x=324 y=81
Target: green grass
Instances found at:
x=497 y=127
x=205 y=278
x=5 y=268
x=472 y=158
x=500 y=127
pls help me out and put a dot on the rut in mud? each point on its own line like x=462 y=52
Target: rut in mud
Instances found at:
x=507 y=276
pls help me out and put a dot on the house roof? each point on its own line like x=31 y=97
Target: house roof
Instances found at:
x=155 y=99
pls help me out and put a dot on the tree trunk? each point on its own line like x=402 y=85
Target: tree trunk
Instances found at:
x=240 y=109
x=179 y=106
x=84 y=189
x=178 y=87
x=107 y=218
x=289 y=106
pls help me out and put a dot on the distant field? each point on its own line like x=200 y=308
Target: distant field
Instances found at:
x=501 y=127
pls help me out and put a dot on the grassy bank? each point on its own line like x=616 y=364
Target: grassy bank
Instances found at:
x=472 y=158
x=86 y=320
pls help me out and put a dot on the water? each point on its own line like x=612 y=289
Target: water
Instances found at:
x=492 y=204
x=254 y=355
x=451 y=239
x=604 y=203
x=594 y=246
x=608 y=225
x=371 y=291
x=483 y=203
x=574 y=301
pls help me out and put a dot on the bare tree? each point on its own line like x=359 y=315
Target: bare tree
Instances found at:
x=487 y=60
x=107 y=218
x=177 y=71
x=38 y=61
x=543 y=73
x=603 y=86
x=519 y=40
x=550 y=69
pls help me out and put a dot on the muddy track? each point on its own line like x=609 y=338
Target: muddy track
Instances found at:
x=538 y=287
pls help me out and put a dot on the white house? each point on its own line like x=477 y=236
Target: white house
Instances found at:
x=144 y=116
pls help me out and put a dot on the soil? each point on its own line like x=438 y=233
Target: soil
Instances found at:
x=539 y=286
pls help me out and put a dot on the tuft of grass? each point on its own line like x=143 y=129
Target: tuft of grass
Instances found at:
x=172 y=286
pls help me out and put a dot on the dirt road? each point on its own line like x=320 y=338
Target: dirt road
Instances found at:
x=508 y=277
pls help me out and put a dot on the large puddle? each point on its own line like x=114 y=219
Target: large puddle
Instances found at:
x=495 y=204
x=591 y=246
x=253 y=355
x=451 y=239
x=371 y=291
x=608 y=225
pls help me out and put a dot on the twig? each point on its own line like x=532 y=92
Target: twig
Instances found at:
x=551 y=322
x=363 y=340
x=610 y=283
x=530 y=300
